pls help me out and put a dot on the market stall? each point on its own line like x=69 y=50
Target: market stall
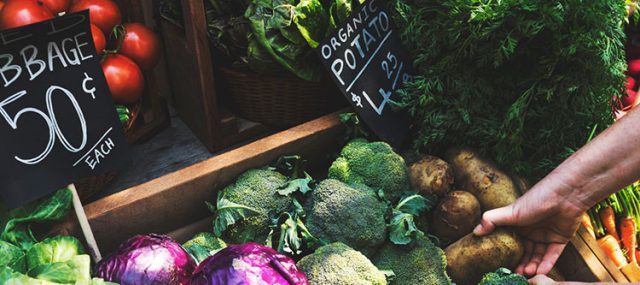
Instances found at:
x=351 y=142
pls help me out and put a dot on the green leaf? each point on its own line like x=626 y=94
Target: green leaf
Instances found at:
x=415 y=204
x=52 y=250
x=76 y=269
x=12 y=256
x=228 y=213
x=311 y=20
x=203 y=245
x=16 y=225
x=292 y=186
x=402 y=229
x=293 y=236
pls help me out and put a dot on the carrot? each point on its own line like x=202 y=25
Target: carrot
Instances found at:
x=609 y=221
x=628 y=236
x=586 y=223
x=612 y=249
x=627 y=222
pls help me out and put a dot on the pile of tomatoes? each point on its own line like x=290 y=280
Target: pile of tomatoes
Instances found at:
x=127 y=49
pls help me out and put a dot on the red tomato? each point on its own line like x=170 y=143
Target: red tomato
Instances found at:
x=630 y=83
x=17 y=13
x=56 y=6
x=630 y=99
x=633 y=68
x=124 y=78
x=103 y=13
x=99 y=41
x=141 y=45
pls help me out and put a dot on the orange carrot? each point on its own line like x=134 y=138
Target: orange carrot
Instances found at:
x=586 y=223
x=609 y=222
x=628 y=236
x=612 y=249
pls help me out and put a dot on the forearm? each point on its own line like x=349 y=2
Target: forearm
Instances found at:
x=608 y=163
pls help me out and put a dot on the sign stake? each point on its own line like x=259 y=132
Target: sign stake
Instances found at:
x=84 y=225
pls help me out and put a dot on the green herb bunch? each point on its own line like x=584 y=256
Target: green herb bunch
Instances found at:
x=523 y=81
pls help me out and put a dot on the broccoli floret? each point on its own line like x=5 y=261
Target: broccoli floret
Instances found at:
x=374 y=164
x=503 y=276
x=420 y=264
x=354 y=216
x=338 y=264
x=256 y=189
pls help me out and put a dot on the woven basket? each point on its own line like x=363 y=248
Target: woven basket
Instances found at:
x=89 y=186
x=278 y=101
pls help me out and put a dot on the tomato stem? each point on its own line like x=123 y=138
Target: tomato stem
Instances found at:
x=118 y=33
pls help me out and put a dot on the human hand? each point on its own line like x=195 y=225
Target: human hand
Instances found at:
x=544 y=218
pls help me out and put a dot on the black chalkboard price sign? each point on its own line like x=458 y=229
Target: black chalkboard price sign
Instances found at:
x=366 y=60
x=57 y=120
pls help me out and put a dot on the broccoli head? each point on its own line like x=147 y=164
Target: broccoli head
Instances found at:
x=422 y=263
x=256 y=190
x=338 y=264
x=503 y=276
x=355 y=216
x=374 y=164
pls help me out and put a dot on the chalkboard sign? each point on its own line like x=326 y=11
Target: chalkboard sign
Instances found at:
x=57 y=119
x=365 y=58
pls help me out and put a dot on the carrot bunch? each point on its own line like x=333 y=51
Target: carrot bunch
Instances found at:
x=615 y=223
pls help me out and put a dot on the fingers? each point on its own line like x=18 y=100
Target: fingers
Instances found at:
x=496 y=217
x=539 y=250
x=528 y=251
x=550 y=257
x=541 y=280
x=539 y=258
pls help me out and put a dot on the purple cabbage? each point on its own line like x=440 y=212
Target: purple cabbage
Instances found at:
x=248 y=264
x=146 y=260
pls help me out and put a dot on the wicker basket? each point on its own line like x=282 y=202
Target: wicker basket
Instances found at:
x=89 y=186
x=278 y=101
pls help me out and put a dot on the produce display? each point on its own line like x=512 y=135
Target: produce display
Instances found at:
x=503 y=92
x=127 y=49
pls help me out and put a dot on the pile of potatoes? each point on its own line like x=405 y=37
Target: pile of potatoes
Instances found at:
x=468 y=185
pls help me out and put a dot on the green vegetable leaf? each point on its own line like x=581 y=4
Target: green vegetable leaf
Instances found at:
x=228 y=213
x=415 y=204
x=76 y=270
x=16 y=224
x=293 y=235
x=403 y=229
x=12 y=257
x=53 y=250
x=203 y=245
x=311 y=20
x=301 y=184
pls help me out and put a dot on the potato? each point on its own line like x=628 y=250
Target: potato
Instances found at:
x=469 y=258
x=455 y=215
x=431 y=175
x=492 y=187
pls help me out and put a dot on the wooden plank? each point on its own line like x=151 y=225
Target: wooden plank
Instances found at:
x=601 y=257
x=175 y=200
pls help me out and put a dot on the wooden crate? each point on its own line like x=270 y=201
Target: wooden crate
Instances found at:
x=154 y=115
x=174 y=204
